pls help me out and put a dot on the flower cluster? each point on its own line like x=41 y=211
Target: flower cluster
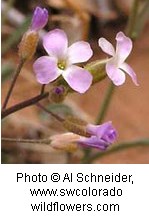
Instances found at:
x=61 y=63
x=61 y=59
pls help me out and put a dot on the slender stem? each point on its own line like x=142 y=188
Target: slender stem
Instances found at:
x=132 y=19
x=49 y=112
x=142 y=18
x=106 y=102
x=41 y=141
x=42 y=89
x=119 y=147
x=23 y=104
x=16 y=74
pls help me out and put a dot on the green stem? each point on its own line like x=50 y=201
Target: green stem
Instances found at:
x=141 y=19
x=60 y=119
x=16 y=74
x=118 y=147
x=132 y=19
x=41 y=141
x=24 y=104
x=106 y=102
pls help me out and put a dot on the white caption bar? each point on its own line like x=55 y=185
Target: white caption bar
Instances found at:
x=70 y=192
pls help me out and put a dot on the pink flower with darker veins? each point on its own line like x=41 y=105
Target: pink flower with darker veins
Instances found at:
x=61 y=61
x=116 y=67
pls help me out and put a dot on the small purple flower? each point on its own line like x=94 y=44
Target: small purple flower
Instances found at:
x=101 y=136
x=61 y=59
x=116 y=67
x=40 y=19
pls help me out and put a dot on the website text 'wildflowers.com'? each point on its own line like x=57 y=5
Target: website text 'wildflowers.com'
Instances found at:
x=76 y=191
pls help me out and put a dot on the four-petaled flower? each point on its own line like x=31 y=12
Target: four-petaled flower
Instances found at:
x=61 y=59
x=116 y=67
x=39 y=19
x=101 y=136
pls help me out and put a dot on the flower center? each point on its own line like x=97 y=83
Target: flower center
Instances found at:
x=61 y=65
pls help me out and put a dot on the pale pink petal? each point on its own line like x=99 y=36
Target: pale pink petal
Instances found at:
x=106 y=46
x=79 y=52
x=130 y=72
x=45 y=69
x=116 y=75
x=55 y=43
x=78 y=78
x=123 y=47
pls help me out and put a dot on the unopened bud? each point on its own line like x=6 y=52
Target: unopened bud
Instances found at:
x=65 y=141
x=28 y=45
x=57 y=94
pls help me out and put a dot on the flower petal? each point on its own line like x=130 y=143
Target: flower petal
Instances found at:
x=78 y=78
x=45 y=69
x=130 y=72
x=79 y=52
x=98 y=130
x=55 y=43
x=106 y=46
x=116 y=75
x=123 y=47
x=94 y=142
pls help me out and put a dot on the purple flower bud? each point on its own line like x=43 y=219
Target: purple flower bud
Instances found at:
x=40 y=19
x=101 y=136
x=59 y=90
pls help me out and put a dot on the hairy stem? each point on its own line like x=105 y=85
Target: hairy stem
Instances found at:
x=41 y=141
x=24 y=104
x=16 y=74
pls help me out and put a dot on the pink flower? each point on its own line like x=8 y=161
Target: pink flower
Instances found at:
x=40 y=19
x=116 y=67
x=101 y=136
x=61 y=59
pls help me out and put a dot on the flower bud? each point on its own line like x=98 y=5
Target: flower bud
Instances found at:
x=57 y=94
x=101 y=136
x=39 y=19
x=28 y=45
x=65 y=141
